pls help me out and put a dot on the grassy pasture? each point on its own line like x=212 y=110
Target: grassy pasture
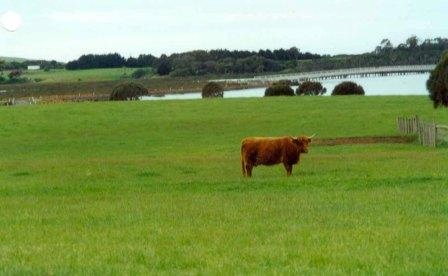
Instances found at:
x=138 y=187
x=11 y=59
x=89 y=75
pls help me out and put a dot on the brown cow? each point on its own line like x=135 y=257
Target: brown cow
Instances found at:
x=272 y=150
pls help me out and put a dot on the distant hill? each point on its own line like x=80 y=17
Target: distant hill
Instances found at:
x=11 y=59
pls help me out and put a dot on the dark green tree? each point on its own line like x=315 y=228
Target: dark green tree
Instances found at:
x=164 y=67
x=412 y=42
x=437 y=83
x=2 y=66
x=348 y=88
x=212 y=90
x=128 y=91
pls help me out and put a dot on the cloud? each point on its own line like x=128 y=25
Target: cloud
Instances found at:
x=83 y=17
x=265 y=16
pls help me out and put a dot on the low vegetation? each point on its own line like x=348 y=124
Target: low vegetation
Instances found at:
x=212 y=90
x=88 y=75
x=140 y=73
x=128 y=91
x=156 y=188
x=155 y=84
x=348 y=88
x=280 y=88
x=310 y=88
x=13 y=77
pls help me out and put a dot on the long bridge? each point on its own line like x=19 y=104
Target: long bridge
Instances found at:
x=340 y=73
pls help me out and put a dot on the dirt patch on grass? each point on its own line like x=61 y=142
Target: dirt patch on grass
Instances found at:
x=364 y=140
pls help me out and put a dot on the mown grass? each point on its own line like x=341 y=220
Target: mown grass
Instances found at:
x=156 y=187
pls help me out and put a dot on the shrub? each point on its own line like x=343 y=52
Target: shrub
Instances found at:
x=139 y=73
x=437 y=83
x=311 y=88
x=15 y=77
x=280 y=88
x=295 y=82
x=128 y=91
x=283 y=82
x=348 y=88
x=182 y=72
x=212 y=90
x=14 y=74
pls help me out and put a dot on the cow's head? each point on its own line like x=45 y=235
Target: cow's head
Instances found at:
x=302 y=143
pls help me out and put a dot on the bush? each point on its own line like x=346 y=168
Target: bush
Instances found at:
x=212 y=90
x=312 y=88
x=348 y=88
x=128 y=91
x=283 y=82
x=280 y=88
x=139 y=73
x=437 y=83
x=14 y=77
x=14 y=74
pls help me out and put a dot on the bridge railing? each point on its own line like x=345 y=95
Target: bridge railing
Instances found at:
x=337 y=72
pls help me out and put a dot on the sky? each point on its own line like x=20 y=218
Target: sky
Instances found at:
x=64 y=30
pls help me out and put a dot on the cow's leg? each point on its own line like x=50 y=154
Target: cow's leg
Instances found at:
x=288 y=168
x=249 y=170
x=243 y=167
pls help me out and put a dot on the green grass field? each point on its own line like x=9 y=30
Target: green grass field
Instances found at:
x=156 y=187
x=11 y=59
x=63 y=75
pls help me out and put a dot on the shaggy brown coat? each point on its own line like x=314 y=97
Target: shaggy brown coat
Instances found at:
x=272 y=150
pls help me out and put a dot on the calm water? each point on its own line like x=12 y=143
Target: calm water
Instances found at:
x=373 y=86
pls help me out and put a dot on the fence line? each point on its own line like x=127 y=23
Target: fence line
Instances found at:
x=55 y=99
x=408 y=125
x=427 y=132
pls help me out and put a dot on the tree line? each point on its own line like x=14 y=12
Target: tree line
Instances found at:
x=237 y=62
x=200 y=62
x=226 y=62
x=412 y=52
x=44 y=64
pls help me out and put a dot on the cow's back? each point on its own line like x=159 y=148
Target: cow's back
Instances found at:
x=263 y=150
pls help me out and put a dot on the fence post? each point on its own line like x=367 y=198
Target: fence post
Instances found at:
x=425 y=134
x=421 y=133
x=415 y=123
x=434 y=134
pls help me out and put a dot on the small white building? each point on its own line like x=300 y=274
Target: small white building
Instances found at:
x=33 y=67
